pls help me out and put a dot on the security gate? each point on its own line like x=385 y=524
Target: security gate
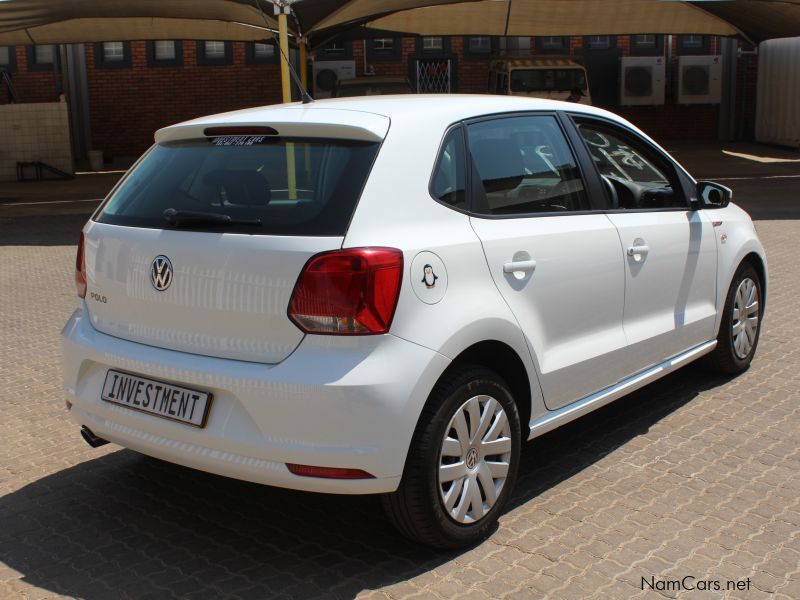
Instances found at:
x=434 y=75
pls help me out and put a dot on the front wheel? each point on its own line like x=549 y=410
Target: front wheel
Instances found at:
x=462 y=463
x=741 y=323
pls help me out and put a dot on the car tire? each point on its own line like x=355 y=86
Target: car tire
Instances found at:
x=417 y=509
x=738 y=339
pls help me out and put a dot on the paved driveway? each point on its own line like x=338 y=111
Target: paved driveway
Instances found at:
x=693 y=476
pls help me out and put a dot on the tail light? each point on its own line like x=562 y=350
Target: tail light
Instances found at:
x=348 y=292
x=80 y=269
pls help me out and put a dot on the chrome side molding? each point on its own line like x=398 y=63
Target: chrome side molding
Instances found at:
x=578 y=408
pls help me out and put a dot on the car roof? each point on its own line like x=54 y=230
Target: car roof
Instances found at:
x=442 y=109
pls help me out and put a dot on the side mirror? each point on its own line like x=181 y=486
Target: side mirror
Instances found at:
x=712 y=195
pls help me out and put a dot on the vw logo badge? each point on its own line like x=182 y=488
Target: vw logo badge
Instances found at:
x=161 y=272
x=472 y=458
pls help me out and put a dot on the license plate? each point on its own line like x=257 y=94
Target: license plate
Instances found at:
x=157 y=398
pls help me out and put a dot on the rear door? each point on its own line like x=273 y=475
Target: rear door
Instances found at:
x=669 y=250
x=556 y=262
x=200 y=247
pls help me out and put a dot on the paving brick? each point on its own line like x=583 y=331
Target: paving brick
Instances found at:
x=690 y=476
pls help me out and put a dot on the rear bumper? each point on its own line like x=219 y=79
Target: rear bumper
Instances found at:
x=348 y=402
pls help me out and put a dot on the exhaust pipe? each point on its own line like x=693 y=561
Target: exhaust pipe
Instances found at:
x=92 y=439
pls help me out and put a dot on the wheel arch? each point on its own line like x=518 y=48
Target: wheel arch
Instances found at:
x=755 y=259
x=506 y=362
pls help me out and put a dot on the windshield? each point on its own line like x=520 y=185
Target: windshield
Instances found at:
x=287 y=187
x=547 y=80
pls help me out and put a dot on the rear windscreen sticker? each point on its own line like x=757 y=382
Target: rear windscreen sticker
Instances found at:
x=238 y=140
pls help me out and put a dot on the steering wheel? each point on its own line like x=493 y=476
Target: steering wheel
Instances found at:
x=612 y=191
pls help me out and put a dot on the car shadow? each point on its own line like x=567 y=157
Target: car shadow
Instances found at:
x=131 y=526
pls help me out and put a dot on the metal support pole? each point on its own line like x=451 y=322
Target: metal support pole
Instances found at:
x=304 y=64
x=727 y=109
x=282 y=11
x=283 y=39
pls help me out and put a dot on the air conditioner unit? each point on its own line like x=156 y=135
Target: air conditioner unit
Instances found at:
x=642 y=80
x=699 y=79
x=328 y=72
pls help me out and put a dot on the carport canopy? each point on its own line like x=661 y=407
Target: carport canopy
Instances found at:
x=75 y=21
x=320 y=21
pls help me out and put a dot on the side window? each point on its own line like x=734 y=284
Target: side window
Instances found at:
x=524 y=165
x=449 y=181
x=636 y=175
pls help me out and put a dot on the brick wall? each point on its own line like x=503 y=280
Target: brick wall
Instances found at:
x=30 y=85
x=127 y=105
x=667 y=122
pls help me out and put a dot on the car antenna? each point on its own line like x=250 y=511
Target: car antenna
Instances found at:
x=281 y=4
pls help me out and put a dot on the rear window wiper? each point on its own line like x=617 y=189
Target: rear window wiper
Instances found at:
x=189 y=218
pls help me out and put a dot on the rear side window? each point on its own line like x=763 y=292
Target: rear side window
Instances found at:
x=449 y=180
x=274 y=186
x=524 y=165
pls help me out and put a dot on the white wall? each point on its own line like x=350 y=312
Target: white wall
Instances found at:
x=34 y=132
x=778 y=104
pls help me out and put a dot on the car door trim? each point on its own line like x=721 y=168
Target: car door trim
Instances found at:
x=567 y=413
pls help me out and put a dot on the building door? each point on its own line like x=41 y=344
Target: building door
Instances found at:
x=602 y=68
x=434 y=75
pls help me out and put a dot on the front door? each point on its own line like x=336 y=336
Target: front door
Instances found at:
x=669 y=250
x=557 y=264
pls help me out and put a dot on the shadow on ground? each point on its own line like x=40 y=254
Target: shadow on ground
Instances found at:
x=42 y=229
x=130 y=526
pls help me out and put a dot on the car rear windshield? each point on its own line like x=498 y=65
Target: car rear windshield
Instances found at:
x=261 y=185
x=547 y=80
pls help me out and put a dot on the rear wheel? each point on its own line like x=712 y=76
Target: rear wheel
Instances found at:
x=741 y=323
x=462 y=463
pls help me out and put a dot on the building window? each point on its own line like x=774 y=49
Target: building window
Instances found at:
x=694 y=44
x=164 y=50
x=335 y=51
x=384 y=49
x=692 y=41
x=552 y=43
x=44 y=54
x=41 y=57
x=598 y=42
x=263 y=50
x=113 y=52
x=516 y=45
x=110 y=55
x=214 y=52
x=383 y=45
x=647 y=44
x=432 y=44
x=165 y=53
x=478 y=46
x=261 y=53
x=8 y=58
x=646 y=40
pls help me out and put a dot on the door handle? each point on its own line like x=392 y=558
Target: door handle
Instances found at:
x=519 y=265
x=634 y=250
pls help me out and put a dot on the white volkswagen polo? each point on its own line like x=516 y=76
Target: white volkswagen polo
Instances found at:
x=390 y=295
